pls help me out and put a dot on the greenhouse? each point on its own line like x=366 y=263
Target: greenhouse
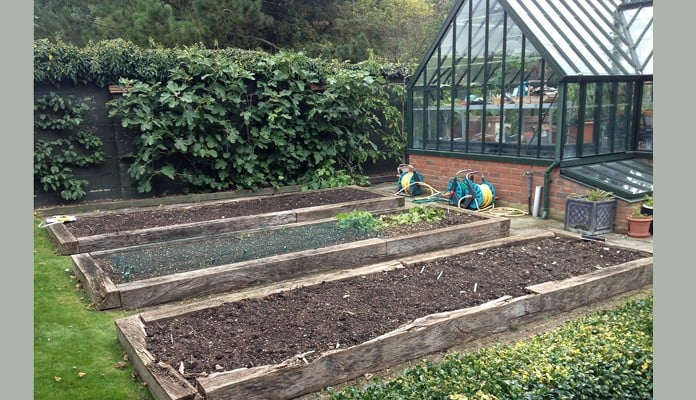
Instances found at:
x=562 y=84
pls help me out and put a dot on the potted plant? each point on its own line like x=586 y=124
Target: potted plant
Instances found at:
x=644 y=211
x=592 y=213
x=639 y=223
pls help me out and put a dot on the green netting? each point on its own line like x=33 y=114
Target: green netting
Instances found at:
x=140 y=262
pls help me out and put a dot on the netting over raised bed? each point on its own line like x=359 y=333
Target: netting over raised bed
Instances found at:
x=166 y=258
x=141 y=262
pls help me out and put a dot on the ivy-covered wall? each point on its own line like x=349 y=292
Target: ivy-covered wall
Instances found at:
x=76 y=148
x=198 y=120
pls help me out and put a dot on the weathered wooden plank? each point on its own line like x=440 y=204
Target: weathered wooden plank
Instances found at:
x=633 y=273
x=245 y=274
x=330 y=211
x=63 y=238
x=500 y=242
x=102 y=291
x=177 y=200
x=478 y=231
x=163 y=381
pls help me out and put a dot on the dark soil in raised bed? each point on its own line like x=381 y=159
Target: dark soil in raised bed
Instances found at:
x=148 y=261
x=127 y=221
x=344 y=313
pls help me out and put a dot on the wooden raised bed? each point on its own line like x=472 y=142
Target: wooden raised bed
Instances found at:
x=426 y=335
x=106 y=294
x=69 y=244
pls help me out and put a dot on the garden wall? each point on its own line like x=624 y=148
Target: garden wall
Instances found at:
x=510 y=183
x=110 y=180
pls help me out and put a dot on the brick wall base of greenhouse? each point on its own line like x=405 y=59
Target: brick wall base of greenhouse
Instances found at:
x=511 y=184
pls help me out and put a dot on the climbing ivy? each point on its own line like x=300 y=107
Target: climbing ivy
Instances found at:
x=218 y=123
x=217 y=119
x=54 y=160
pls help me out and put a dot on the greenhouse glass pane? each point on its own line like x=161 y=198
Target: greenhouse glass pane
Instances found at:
x=446 y=59
x=598 y=37
x=639 y=24
x=479 y=34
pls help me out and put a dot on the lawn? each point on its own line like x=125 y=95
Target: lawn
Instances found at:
x=76 y=352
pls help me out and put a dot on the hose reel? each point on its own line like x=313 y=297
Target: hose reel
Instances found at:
x=409 y=181
x=464 y=192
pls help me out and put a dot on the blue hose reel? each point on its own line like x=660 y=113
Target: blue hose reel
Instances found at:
x=409 y=180
x=464 y=192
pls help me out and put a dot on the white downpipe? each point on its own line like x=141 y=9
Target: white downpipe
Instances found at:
x=537 y=201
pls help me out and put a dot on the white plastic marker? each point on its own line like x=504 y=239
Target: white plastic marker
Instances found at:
x=57 y=219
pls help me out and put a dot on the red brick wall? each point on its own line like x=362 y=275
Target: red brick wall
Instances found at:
x=510 y=183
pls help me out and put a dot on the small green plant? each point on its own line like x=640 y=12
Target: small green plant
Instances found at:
x=328 y=177
x=648 y=200
x=414 y=215
x=599 y=195
x=366 y=223
x=362 y=221
x=128 y=272
x=596 y=195
x=637 y=212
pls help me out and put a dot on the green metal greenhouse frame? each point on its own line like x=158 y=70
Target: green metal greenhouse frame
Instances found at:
x=564 y=81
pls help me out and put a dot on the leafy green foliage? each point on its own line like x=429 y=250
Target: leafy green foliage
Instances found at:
x=101 y=63
x=54 y=160
x=648 y=200
x=414 y=215
x=607 y=355
x=252 y=121
x=326 y=177
x=362 y=221
x=598 y=195
x=366 y=223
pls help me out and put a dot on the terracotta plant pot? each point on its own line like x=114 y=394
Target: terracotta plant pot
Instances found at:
x=639 y=227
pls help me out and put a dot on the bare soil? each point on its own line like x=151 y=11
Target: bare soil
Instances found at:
x=309 y=320
x=132 y=220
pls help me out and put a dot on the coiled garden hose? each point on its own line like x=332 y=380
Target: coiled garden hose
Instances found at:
x=505 y=212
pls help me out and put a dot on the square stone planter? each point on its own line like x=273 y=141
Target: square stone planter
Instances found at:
x=589 y=217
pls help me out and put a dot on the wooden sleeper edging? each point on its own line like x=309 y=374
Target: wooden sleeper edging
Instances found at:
x=423 y=336
x=105 y=294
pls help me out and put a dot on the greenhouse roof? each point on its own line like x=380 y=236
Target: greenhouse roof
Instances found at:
x=589 y=38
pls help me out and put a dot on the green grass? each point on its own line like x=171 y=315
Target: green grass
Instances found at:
x=76 y=352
